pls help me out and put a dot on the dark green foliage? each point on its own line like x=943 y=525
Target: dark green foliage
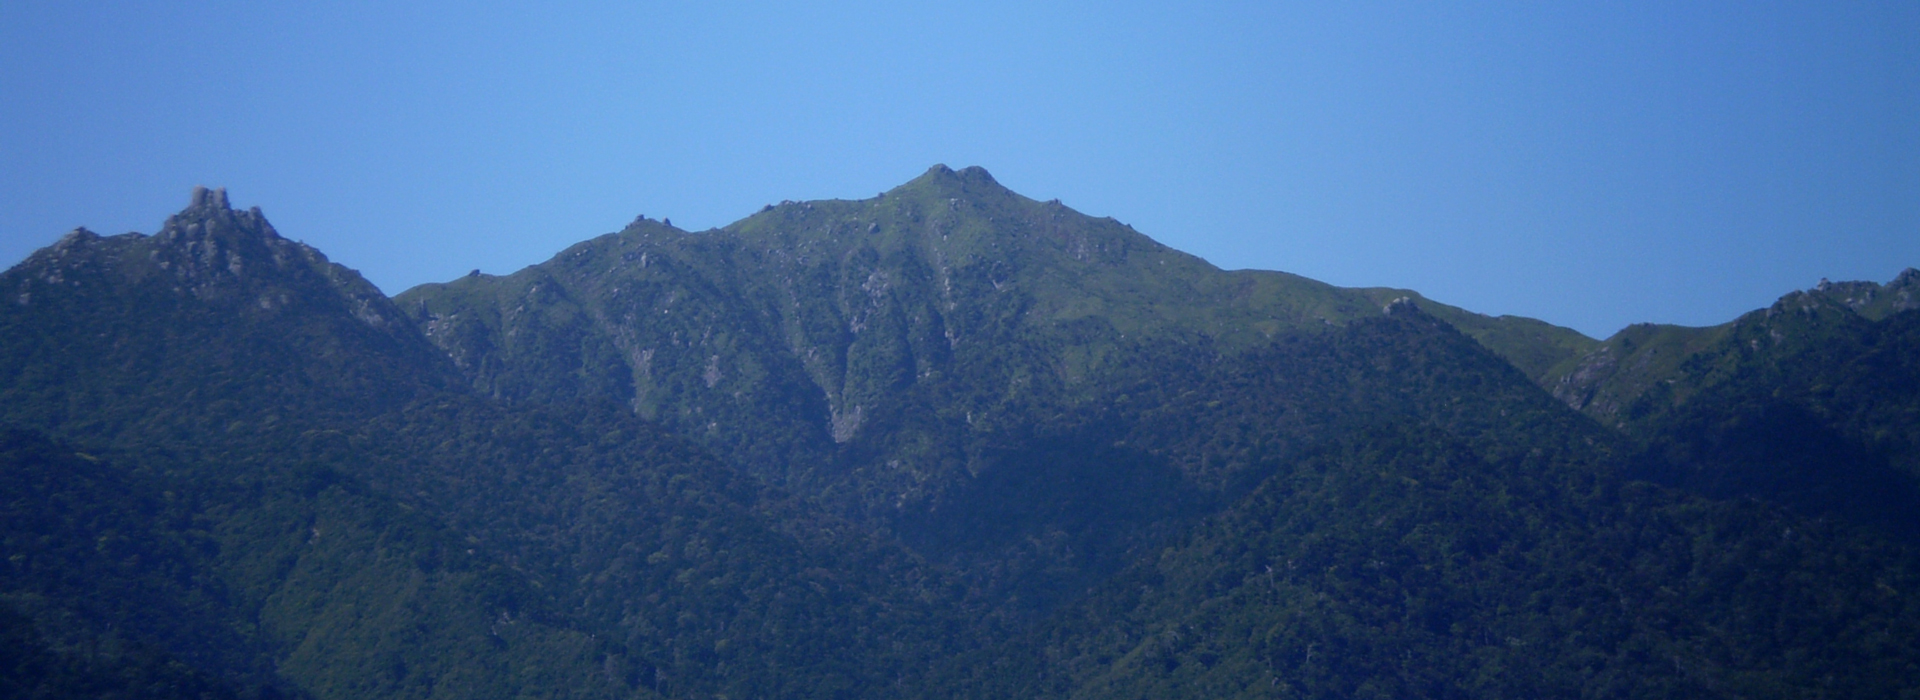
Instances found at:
x=1420 y=549
x=1401 y=564
x=114 y=566
x=32 y=668
x=706 y=580
x=1807 y=403
x=278 y=580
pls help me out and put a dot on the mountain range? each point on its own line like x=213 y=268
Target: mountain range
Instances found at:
x=947 y=441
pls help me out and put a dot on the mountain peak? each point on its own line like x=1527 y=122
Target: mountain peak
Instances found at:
x=206 y=240
x=941 y=178
x=978 y=175
x=204 y=198
x=209 y=216
x=1909 y=277
x=214 y=258
x=212 y=252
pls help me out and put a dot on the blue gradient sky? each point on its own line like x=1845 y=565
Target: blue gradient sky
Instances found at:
x=1591 y=164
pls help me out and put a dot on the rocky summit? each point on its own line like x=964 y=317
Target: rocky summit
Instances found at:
x=947 y=441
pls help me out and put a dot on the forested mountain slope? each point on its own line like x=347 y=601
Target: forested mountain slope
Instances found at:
x=1812 y=402
x=878 y=354
x=376 y=533
x=946 y=442
x=1453 y=532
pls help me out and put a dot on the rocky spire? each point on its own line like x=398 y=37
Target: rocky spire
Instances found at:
x=1905 y=290
x=208 y=213
x=204 y=198
x=1907 y=277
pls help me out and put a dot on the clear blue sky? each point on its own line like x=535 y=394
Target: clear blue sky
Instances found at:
x=1590 y=164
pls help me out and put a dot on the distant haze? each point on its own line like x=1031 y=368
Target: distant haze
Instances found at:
x=1592 y=165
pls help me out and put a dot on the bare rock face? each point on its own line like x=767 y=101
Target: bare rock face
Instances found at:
x=1576 y=388
x=208 y=244
x=204 y=198
x=1905 y=290
x=1871 y=299
x=847 y=423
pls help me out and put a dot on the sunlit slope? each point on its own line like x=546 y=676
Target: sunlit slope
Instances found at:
x=778 y=338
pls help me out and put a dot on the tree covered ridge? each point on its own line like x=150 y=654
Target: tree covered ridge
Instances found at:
x=1430 y=556
x=1809 y=402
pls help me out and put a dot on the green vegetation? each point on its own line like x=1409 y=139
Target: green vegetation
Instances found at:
x=946 y=442
x=1808 y=403
x=949 y=304
x=418 y=542
x=1425 y=550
